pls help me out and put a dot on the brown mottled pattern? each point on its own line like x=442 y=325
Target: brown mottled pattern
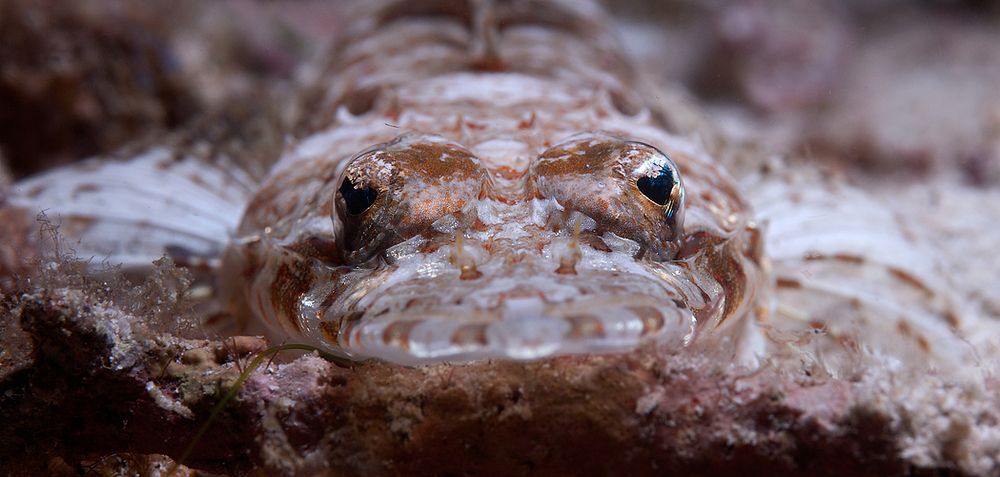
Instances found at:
x=652 y=319
x=470 y=335
x=398 y=334
x=482 y=211
x=418 y=181
x=910 y=280
x=291 y=281
x=787 y=282
x=333 y=330
x=585 y=326
x=291 y=195
x=609 y=162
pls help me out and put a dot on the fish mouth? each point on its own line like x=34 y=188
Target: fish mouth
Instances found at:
x=523 y=329
x=520 y=316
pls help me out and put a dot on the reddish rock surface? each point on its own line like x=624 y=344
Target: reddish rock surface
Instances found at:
x=101 y=382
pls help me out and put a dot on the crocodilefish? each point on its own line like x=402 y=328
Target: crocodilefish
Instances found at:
x=485 y=180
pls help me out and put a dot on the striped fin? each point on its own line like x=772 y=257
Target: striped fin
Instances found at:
x=132 y=212
x=855 y=276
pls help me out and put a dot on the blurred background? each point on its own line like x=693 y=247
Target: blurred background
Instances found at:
x=905 y=88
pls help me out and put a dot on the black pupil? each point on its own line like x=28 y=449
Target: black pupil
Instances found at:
x=357 y=200
x=658 y=188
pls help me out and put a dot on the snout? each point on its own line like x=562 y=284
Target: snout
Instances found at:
x=519 y=316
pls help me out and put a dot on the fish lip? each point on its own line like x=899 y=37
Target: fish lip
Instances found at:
x=521 y=329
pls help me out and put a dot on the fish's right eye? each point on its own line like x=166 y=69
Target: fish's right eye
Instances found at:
x=394 y=191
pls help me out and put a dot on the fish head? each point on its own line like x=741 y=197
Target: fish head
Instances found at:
x=431 y=252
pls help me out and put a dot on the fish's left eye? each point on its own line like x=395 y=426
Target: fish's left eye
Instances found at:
x=629 y=188
x=657 y=188
x=662 y=186
x=357 y=199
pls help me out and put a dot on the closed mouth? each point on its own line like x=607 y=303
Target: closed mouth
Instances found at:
x=518 y=318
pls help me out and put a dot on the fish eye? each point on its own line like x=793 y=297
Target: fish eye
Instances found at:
x=394 y=191
x=663 y=187
x=357 y=199
x=629 y=188
x=657 y=189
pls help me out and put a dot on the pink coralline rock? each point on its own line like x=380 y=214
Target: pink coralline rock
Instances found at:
x=101 y=382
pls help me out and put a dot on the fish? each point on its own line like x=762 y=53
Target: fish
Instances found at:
x=489 y=180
